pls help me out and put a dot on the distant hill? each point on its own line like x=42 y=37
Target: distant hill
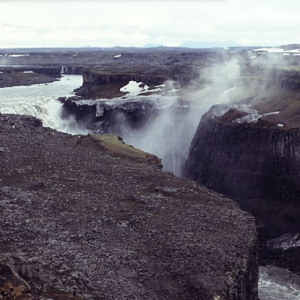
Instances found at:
x=290 y=47
x=153 y=45
x=209 y=44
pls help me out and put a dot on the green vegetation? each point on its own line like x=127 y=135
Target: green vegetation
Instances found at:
x=115 y=146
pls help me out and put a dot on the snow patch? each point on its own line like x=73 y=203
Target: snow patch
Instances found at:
x=17 y=55
x=271 y=113
x=134 y=88
x=118 y=56
x=270 y=50
x=294 y=51
x=28 y=72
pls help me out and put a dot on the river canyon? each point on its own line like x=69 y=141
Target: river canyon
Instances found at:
x=206 y=122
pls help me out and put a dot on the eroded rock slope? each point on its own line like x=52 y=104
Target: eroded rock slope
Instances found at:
x=90 y=218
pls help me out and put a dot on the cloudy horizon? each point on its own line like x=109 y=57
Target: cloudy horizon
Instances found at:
x=67 y=23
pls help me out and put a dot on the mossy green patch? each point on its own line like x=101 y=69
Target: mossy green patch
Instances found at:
x=115 y=146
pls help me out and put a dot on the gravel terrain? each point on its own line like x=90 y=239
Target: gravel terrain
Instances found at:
x=83 y=220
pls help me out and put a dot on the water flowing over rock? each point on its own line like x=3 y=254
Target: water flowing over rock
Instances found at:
x=87 y=217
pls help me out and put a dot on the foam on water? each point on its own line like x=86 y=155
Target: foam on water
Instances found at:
x=39 y=100
x=278 y=284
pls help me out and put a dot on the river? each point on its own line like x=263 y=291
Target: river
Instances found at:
x=40 y=101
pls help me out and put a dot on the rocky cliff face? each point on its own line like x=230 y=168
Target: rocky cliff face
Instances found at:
x=259 y=166
x=246 y=160
x=98 y=83
x=109 y=117
x=288 y=79
x=87 y=217
x=72 y=70
x=27 y=75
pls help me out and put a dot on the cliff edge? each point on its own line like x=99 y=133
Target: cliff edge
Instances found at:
x=87 y=217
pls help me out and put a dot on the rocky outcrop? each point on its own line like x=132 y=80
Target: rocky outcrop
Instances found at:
x=258 y=165
x=243 y=160
x=95 y=80
x=27 y=75
x=109 y=117
x=84 y=217
x=72 y=70
x=287 y=79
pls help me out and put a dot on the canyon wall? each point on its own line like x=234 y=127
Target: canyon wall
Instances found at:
x=87 y=217
x=257 y=164
x=246 y=160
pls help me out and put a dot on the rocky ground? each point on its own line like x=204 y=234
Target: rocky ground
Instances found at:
x=86 y=217
x=156 y=65
x=20 y=78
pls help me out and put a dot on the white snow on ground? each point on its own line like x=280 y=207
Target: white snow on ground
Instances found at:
x=1 y=72
x=278 y=50
x=293 y=51
x=280 y=125
x=134 y=88
x=118 y=56
x=158 y=88
x=28 y=72
x=271 y=113
x=273 y=50
x=253 y=118
x=252 y=57
x=17 y=55
x=161 y=85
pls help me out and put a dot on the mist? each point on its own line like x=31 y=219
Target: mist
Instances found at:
x=169 y=134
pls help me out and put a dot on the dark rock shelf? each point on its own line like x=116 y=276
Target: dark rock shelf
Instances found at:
x=87 y=217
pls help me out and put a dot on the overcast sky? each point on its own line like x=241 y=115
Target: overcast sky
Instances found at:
x=63 y=23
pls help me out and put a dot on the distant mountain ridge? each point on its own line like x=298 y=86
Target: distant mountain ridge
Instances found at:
x=207 y=44
x=153 y=45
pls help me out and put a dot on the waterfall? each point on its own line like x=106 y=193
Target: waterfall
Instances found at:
x=40 y=101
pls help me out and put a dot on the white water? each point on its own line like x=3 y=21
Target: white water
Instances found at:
x=39 y=100
x=278 y=284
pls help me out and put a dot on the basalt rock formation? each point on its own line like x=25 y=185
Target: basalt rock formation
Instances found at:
x=108 y=117
x=72 y=69
x=258 y=160
x=87 y=217
x=287 y=77
x=257 y=164
x=99 y=83
x=27 y=75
